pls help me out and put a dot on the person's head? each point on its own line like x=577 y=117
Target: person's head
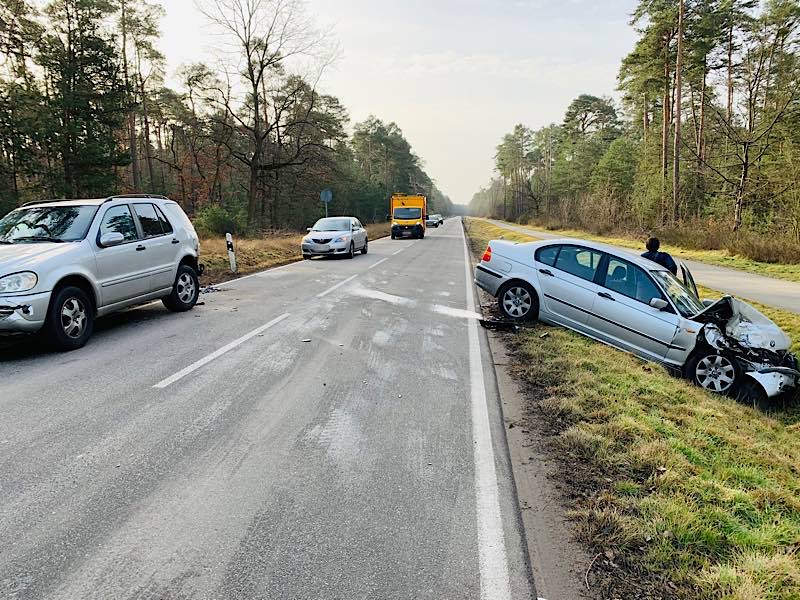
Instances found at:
x=653 y=244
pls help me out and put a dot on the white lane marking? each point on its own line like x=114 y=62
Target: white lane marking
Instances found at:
x=337 y=286
x=214 y=355
x=257 y=273
x=493 y=563
x=378 y=295
x=459 y=313
x=383 y=260
x=401 y=249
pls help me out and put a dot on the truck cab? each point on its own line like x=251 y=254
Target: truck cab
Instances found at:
x=408 y=216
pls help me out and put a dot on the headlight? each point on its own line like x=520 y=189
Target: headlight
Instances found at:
x=342 y=238
x=18 y=282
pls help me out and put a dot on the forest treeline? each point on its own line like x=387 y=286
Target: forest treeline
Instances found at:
x=704 y=146
x=244 y=145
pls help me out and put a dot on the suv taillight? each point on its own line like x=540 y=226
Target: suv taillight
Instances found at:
x=487 y=256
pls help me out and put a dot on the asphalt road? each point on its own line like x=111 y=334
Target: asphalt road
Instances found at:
x=767 y=290
x=330 y=429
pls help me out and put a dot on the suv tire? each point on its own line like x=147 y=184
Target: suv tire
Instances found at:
x=70 y=318
x=185 y=290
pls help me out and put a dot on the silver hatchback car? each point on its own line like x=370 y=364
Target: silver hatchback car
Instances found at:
x=65 y=262
x=636 y=305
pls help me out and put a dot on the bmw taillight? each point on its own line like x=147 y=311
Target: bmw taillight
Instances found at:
x=487 y=256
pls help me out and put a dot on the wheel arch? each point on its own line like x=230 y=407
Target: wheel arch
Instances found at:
x=79 y=281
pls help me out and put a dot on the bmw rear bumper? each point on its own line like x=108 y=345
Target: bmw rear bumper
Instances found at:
x=488 y=280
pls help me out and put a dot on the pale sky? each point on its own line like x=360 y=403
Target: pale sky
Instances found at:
x=455 y=75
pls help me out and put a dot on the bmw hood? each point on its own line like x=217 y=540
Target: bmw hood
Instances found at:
x=745 y=324
x=26 y=257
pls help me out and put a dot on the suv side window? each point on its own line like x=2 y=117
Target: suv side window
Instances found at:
x=580 y=262
x=547 y=255
x=118 y=219
x=151 y=226
x=165 y=224
x=631 y=281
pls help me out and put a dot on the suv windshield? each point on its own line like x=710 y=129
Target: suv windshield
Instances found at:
x=687 y=303
x=46 y=224
x=407 y=213
x=332 y=224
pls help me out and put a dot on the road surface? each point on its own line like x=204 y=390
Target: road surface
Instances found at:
x=326 y=430
x=767 y=290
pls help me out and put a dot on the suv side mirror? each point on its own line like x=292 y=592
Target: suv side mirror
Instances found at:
x=659 y=303
x=114 y=238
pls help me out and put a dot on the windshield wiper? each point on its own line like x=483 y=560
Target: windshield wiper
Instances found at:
x=40 y=238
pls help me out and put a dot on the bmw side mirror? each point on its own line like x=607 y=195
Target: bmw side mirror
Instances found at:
x=113 y=238
x=659 y=303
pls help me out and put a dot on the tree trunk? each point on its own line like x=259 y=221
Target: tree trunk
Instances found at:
x=666 y=118
x=730 y=74
x=738 y=208
x=135 y=174
x=676 y=151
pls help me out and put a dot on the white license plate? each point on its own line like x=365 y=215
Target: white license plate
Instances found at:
x=321 y=247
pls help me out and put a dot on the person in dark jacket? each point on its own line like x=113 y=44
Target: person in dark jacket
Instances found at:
x=662 y=258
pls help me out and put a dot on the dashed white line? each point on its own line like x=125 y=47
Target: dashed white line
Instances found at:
x=383 y=260
x=401 y=249
x=214 y=355
x=492 y=559
x=337 y=286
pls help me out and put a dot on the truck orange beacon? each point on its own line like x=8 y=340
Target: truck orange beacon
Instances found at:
x=408 y=216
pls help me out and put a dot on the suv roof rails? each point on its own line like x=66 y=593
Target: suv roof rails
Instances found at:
x=159 y=196
x=109 y=199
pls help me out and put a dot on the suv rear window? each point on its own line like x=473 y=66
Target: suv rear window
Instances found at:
x=165 y=224
x=151 y=226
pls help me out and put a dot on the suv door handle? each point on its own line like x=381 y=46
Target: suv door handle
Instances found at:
x=546 y=272
x=140 y=247
x=174 y=241
x=606 y=296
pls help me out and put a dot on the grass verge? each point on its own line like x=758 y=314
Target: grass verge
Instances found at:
x=722 y=258
x=682 y=494
x=257 y=254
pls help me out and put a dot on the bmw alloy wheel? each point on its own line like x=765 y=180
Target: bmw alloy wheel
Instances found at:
x=517 y=302
x=715 y=373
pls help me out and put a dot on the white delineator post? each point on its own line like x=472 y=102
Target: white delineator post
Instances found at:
x=231 y=253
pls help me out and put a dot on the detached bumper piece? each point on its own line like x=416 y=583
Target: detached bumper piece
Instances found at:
x=776 y=380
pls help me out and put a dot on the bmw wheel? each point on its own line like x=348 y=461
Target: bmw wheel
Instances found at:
x=714 y=372
x=518 y=302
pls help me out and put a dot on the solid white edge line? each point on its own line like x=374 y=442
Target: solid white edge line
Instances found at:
x=214 y=355
x=492 y=559
x=383 y=260
x=337 y=286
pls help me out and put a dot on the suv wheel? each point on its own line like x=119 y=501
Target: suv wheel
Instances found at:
x=70 y=318
x=185 y=291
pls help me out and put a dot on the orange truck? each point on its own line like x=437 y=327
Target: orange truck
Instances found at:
x=408 y=216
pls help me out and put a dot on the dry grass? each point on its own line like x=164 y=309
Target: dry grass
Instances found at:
x=257 y=254
x=690 y=488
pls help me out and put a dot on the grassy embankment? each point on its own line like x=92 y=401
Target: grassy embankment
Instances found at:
x=257 y=254
x=695 y=494
x=722 y=258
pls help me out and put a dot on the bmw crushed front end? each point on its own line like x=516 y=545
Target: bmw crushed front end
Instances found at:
x=744 y=340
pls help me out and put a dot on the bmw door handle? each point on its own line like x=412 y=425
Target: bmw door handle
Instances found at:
x=546 y=272
x=606 y=296
x=140 y=248
x=174 y=241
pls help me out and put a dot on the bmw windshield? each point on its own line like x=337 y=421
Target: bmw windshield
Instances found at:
x=686 y=302
x=46 y=224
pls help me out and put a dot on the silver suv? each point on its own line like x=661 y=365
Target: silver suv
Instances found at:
x=65 y=262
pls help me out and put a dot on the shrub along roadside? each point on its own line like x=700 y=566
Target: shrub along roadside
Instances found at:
x=257 y=254
x=692 y=493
